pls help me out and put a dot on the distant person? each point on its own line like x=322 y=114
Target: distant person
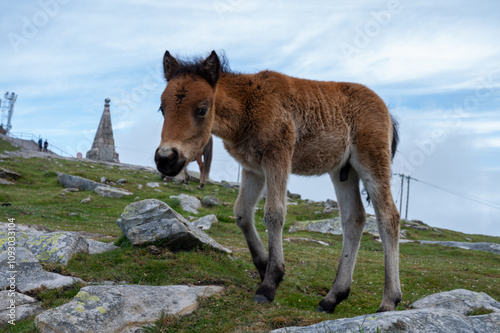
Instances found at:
x=40 y=143
x=45 y=145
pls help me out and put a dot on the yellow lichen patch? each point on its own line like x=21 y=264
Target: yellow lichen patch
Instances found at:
x=85 y=296
x=101 y=309
x=79 y=309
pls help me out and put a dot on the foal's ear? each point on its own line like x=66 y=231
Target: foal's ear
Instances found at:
x=211 y=68
x=169 y=65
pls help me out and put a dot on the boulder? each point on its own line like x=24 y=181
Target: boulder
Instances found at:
x=188 y=203
x=206 y=222
x=482 y=246
x=24 y=306
x=56 y=247
x=152 y=220
x=211 y=201
x=121 y=181
x=153 y=184
x=28 y=273
x=122 y=308
x=458 y=300
x=77 y=182
x=111 y=192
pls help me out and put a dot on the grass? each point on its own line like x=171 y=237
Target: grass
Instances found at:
x=37 y=198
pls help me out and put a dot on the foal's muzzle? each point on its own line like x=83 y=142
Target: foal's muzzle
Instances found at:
x=169 y=161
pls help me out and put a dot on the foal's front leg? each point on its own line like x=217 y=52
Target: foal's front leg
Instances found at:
x=275 y=211
x=252 y=184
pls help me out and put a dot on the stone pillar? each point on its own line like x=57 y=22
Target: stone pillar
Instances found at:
x=103 y=148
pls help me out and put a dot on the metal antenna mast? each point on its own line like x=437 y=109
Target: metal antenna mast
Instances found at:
x=7 y=108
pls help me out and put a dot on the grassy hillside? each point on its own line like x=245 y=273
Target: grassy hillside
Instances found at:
x=37 y=198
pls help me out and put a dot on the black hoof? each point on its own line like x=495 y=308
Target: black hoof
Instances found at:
x=261 y=299
x=326 y=307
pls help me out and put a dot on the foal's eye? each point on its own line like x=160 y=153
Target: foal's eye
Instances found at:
x=201 y=112
x=160 y=109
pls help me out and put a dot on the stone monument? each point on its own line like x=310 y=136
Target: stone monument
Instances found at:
x=103 y=148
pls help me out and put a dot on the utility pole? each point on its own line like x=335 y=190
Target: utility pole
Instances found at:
x=401 y=199
x=407 y=197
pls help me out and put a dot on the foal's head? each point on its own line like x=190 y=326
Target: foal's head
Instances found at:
x=187 y=105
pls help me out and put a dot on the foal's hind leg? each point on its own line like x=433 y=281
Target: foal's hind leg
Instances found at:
x=251 y=188
x=352 y=214
x=377 y=178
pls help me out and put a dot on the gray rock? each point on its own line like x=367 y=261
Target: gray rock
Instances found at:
x=17 y=306
x=330 y=206
x=77 y=182
x=482 y=246
x=5 y=182
x=104 y=180
x=153 y=184
x=56 y=247
x=211 y=201
x=103 y=309
x=100 y=247
x=333 y=226
x=442 y=312
x=328 y=226
x=304 y=239
x=86 y=200
x=71 y=189
x=486 y=323
x=189 y=203
x=121 y=181
x=139 y=186
x=411 y=321
x=6 y=173
x=152 y=220
x=458 y=300
x=111 y=192
x=206 y=222
x=29 y=274
x=293 y=195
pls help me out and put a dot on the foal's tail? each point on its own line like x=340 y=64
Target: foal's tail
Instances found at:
x=395 y=136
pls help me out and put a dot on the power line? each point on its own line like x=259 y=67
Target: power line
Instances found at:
x=465 y=196
x=462 y=195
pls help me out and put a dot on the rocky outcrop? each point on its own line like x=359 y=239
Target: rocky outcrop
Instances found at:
x=482 y=246
x=51 y=246
x=9 y=174
x=29 y=274
x=152 y=220
x=458 y=300
x=439 y=313
x=189 y=203
x=17 y=306
x=56 y=247
x=123 y=308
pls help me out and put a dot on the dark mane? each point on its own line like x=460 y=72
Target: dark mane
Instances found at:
x=193 y=66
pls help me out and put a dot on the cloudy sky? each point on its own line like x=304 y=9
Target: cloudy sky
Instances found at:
x=435 y=63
